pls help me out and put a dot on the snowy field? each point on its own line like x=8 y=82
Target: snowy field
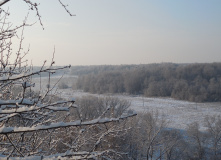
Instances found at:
x=178 y=113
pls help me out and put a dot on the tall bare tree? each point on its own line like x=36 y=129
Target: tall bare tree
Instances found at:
x=213 y=124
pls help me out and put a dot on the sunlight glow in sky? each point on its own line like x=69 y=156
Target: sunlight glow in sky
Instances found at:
x=123 y=31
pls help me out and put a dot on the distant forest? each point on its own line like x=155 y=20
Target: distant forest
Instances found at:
x=192 y=82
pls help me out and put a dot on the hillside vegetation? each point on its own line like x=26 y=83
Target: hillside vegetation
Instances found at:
x=192 y=82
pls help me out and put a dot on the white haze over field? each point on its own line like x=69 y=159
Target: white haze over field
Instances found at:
x=178 y=113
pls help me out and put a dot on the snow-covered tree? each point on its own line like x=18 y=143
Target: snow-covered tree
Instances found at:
x=38 y=124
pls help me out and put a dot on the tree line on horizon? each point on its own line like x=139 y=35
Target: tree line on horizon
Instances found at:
x=199 y=82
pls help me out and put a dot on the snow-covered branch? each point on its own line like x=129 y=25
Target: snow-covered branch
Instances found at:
x=31 y=107
x=62 y=156
x=20 y=76
x=7 y=130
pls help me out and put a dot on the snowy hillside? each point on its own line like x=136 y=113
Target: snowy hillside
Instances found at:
x=179 y=113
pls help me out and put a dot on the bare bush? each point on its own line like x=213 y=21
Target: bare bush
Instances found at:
x=213 y=124
x=149 y=138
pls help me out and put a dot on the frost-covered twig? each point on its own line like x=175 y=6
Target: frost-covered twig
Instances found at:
x=20 y=76
x=6 y=130
x=65 y=7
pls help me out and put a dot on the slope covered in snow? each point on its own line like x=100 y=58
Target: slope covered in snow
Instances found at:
x=179 y=113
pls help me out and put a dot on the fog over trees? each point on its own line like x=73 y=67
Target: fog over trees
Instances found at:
x=192 y=82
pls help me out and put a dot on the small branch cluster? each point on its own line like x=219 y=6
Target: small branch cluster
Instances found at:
x=34 y=6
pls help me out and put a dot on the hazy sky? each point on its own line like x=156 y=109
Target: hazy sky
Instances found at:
x=123 y=31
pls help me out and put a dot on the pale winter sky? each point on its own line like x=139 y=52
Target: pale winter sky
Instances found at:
x=123 y=31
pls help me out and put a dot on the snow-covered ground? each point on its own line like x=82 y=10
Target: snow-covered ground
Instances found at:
x=179 y=113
